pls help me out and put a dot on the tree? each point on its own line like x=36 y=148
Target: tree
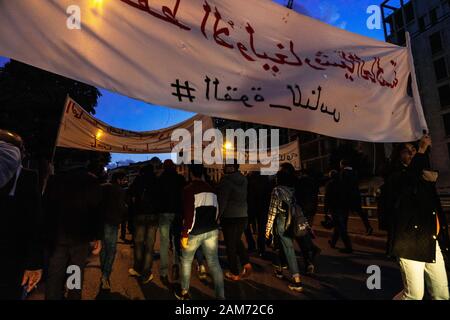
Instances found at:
x=31 y=104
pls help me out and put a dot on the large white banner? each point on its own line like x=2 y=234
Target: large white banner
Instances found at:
x=250 y=60
x=80 y=130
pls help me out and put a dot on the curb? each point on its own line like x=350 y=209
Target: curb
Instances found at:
x=368 y=241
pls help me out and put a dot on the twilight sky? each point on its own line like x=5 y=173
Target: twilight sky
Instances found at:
x=131 y=114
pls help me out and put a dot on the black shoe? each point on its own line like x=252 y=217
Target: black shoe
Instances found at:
x=277 y=266
x=165 y=280
x=296 y=286
x=180 y=295
x=279 y=273
x=332 y=245
x=369 y=231
x=346 y=250
x=175 y=273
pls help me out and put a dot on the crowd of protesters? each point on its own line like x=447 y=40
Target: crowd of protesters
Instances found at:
x=80 y=214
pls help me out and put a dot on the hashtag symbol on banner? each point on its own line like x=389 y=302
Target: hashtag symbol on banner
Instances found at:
x=183 y=91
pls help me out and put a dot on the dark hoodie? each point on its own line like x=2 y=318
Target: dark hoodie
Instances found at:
x=232 y=192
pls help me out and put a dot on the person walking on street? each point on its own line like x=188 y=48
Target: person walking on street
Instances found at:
x=338 y=195
x=351 y=180
x=73 y=223
x=145 y=195
x=232 y=193
x=114 y=209
x=283 y=197
x=21 y=244
x=258 y=199
x=200 y=229
x=171 y=186
x=418 y=234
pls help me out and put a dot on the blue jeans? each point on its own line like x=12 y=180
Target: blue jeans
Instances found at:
x=209 y=242
x=146 y=227
x=166 y=221
x=288 y=246
x=108 y=253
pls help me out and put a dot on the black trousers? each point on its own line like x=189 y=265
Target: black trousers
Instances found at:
x=340 y=229
x=364 y=217
x=145 y=230
x=232 y=229
x=249 y=236
x=261 y=220
x=63 y=256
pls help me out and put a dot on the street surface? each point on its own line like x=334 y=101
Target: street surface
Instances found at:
x=338 y=276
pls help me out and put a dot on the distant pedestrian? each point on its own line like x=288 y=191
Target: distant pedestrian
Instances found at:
x=258 y=199
x=114 y=209
x=21 y=246
x=418 y=234
x=232 y=193
x=354 y=195
x=283 y=197
x=145 y=197
x=200 y=229
x=170 y=185
x=339 y=195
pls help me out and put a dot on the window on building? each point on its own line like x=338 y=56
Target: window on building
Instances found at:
x=398 y=18
x=409 y=12
x=436 y=42
x=422 y=24
x=444 y=96
x=440 y=69
x=446 y=118
x=433 y=16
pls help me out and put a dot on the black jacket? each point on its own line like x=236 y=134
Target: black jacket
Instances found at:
x=412 y=205
x=307 y=194
x=170 y=185
x=114 y=207
x=145 y=194
x=21 y=241
x=72 y=206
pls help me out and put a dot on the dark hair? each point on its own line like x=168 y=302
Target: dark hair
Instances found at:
x=197 y=170
x=12 y=138
x=286 y=176
x=288 y=167
x=117 y=176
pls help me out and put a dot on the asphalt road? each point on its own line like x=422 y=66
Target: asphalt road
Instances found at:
x=338 y=276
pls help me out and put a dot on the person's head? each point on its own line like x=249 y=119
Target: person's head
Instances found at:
x=118 y=178
x=13 y=139
x=286 y=175
x=169 y=166
x=231 y=168
x=196 y=171
x=345 y=163
x=406 y=152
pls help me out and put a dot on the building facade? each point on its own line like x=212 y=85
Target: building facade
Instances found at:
x=428 y=23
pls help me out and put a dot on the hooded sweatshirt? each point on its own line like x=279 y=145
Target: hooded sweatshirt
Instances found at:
x=10 y=163
x=232 y=192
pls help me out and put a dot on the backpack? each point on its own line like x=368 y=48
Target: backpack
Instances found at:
x=297 y=224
